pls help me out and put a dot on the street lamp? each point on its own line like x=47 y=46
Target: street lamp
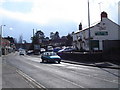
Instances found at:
x=1 y=28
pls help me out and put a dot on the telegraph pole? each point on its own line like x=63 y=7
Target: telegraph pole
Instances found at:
x=100 y=8
x=89 y=27
x=33 y=32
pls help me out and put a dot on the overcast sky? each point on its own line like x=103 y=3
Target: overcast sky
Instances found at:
x=64 y=16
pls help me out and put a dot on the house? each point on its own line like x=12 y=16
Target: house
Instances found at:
x=12 y=42
x=5 y=46
x=103 y=35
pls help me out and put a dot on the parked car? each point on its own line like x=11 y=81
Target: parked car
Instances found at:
x=22 y=52
x=29 y=52
x=50 y=57
x=57 y=49
x=36 y=53
x=42 y=50
x=67 y=50
x=50 y=48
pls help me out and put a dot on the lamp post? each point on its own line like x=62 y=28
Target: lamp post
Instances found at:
x=89 y=27
x=1 y=28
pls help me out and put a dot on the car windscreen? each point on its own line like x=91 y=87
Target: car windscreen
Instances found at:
x=50 y=54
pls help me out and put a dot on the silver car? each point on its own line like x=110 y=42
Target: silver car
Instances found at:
x=22 y=52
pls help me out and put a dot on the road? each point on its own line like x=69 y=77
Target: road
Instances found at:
x=64 y=75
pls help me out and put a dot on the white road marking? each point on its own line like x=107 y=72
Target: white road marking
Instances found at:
x=31 y=80
x=93 y=76
x=58 y=77
x=59 y=65
x=73 y=83
x=84 y=75
x=73 y=67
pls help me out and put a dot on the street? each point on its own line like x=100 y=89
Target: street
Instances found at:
x=64 y=75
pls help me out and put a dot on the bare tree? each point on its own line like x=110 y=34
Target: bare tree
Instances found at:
x=20 y=39
x=15 y=40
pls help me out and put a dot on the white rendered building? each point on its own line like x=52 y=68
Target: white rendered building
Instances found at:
x=105 y=30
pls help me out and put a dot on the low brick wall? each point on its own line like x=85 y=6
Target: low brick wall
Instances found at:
x=77 y=56
x=113 y=57
x=112 y=54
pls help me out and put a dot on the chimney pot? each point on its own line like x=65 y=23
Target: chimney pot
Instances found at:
x=103 y=15
x=80 y=26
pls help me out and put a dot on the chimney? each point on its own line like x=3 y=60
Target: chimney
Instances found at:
x=80 y=26
x=104 y=15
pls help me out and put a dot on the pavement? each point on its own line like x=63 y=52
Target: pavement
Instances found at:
x=0 y=73
x=105 y=64
x=11 y=78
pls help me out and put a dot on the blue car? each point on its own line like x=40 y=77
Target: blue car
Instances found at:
x=50 y=57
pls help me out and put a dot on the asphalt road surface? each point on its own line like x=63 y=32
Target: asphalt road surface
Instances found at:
x=64 y=75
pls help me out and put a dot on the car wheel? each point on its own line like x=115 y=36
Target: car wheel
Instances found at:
x=42 y=60
x=59 y=61
x=47 y=61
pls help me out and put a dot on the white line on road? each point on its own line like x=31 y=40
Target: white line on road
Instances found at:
x=94 y=76
x=73 y=83
x=61 y=78
x=82 y=73
x=31 y=80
